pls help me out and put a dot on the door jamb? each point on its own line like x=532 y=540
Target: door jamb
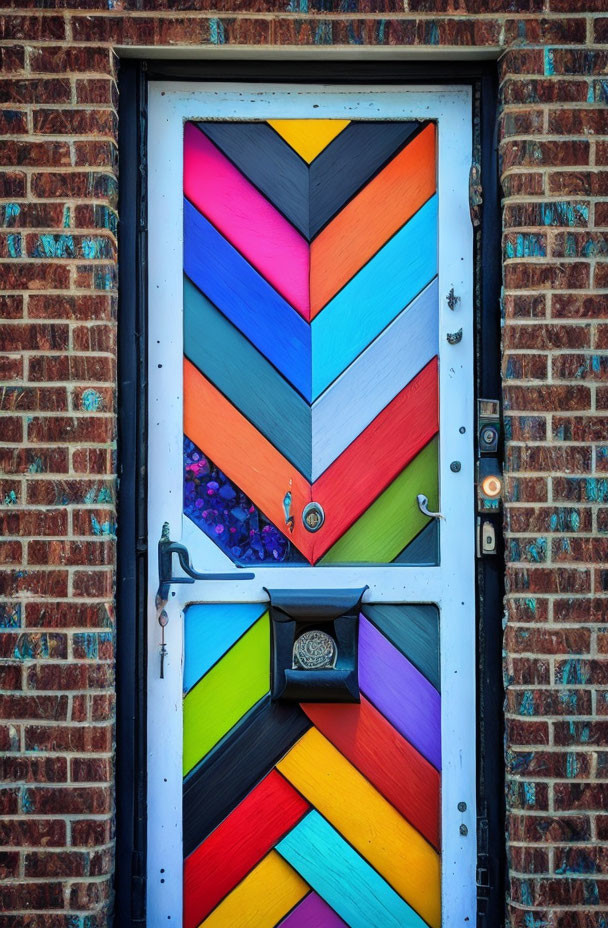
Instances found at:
x=132 y=377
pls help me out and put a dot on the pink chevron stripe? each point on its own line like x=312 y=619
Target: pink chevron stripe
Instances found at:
x=247 y=219
x=312 y=912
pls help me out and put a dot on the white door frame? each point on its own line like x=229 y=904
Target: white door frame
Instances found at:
x=451 y=586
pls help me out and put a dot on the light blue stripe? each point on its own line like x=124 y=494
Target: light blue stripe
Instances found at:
x=247 y=299
x=347 y=882
x=210 y=630
x=374 y=296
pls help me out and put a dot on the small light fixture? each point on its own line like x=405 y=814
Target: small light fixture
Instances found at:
x=491 y=486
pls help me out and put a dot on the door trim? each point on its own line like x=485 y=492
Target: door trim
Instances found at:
x=131 y=641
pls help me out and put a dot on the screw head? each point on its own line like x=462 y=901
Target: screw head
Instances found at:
x=455 y=466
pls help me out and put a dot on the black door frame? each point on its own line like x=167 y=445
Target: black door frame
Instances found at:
x=131 y=594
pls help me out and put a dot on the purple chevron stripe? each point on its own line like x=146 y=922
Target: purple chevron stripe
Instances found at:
x=312 y=912
x=400 y=692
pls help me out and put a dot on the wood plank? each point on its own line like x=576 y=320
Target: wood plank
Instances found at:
x=393 y=519
x=238 y=844
x=308 y=136
x=313 y=912
x=377 y=456
x=246 y=218
x=349 y=162
x=345 y=880
x=226 y=693
x=423 y=549
x=400 y=692
x=264 y=897
x=414 y=630
x=251 y=383
x=210 y=629
x=271 y=165
x=374 y=297
x=374 y=378
x=372 y=217
x=240 y=761
x=245 y=456
x=397 y=770
x=247 y=299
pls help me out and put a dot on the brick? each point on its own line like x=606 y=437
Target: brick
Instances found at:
x=578 y=61
x=548 y=519
x=70 y=58
x=528 y=153
x=547 y=336
x=47 y=895
x=34 y=276
x=578 y=183
x=548 y=829
x=90 y=832
x=514 y=89
x=34 y=769
x=69 y=676
x=55 y=864
x=72 y=429
x=33 y=832
x=37 y=90
x=92 y=553
x=578 y=121
x=578 y=306
x=579 y=428
x=75 y=122
x=68 y=738
x=520 y=275
x=66 y=491
x=20 y=707
x=68 y=615
x=73 y=800
x=550 y=213
x=38 y=460
x=546 y=398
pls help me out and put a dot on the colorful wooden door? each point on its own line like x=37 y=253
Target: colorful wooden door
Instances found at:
x=312 y=737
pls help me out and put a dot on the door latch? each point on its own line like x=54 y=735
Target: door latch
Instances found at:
x=423 y=506
x=166 y=550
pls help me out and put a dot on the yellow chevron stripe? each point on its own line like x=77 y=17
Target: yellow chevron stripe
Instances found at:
x=308 y=136
x=226 y=692
x=371 y=824
x=262 y=899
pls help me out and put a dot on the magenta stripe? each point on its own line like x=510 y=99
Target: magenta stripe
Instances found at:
x=400 y=692
x=312 y=912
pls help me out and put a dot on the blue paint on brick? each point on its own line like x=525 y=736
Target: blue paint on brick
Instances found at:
x=527 y=896
x=526 y=245
x=66 y=217
x=29 y=647
x=549 y=62
x=11 y=214
x=10 y=498
x=10 y=615
x=600 y=91
x=27 y=806
x=13 y=244
x=87 y=642
x=572 y=765
x=54 y=246
x=591 y=892
x=216 y=32
x=596 y=490
x=91 y=400
x=526 y=705
x=571 y=672
x=563 y=213
x=531 y=605
x=102 y=528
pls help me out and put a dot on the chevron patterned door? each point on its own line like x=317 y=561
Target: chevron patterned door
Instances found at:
x=310 y=380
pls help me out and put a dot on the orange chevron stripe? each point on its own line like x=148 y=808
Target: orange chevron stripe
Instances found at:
x=371 y=218
x=245 y=456
x=346 y=488
x=386 y=758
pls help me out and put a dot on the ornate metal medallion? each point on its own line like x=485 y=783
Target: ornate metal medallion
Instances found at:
x=314 y=650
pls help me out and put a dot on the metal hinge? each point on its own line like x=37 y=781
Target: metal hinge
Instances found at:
x=482 y=872
x=475 y=194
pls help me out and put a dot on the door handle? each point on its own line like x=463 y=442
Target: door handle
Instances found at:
x=166 y=550
x=423 y=506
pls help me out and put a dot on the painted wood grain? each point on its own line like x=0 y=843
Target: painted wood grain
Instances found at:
x=367 y=821
x=251 y=383
x=374 y=297
x=226 y=693
x=271 y=165
x=343 y=878
x=313 y=912
x=372 y=217
x=210 y=630
x=247 y=299
x=414 y=630
x=400 y=692
x=396 y=769
x=264 y=897
x=393 y=519
x=424 y=549
x=374 y=378
x=377 y=456
x=240 y=761
x=238 y=844
x=349 y=162
x=245 y=456
x=308 y=136
x=246 y=218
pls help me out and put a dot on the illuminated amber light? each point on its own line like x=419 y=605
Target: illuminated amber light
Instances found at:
x=492 y=486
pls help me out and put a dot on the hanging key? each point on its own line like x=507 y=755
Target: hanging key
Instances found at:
x=163 y=619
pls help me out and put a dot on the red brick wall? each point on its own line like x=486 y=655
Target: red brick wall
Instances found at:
x=58 y=131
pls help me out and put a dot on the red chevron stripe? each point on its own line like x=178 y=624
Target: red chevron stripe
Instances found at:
x=267 y=813
x=397 y=770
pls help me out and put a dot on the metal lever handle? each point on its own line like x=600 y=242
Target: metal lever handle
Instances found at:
x=423 y=506
x=166 y=550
